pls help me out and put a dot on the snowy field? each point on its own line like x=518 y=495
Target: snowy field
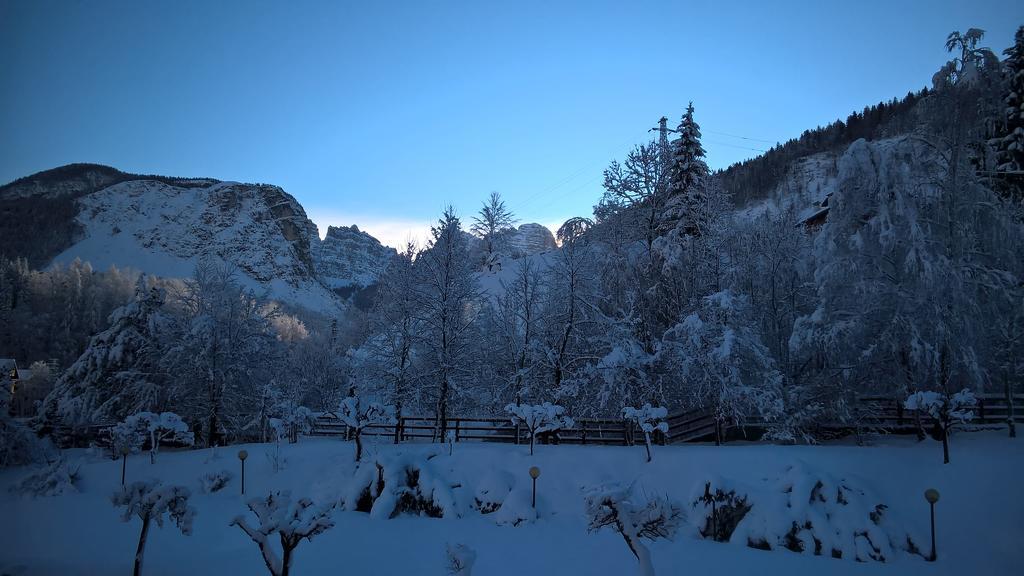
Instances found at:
x=980 y=514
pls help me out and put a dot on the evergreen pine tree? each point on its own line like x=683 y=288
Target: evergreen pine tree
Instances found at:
x=116 y=375
x=688 y=173
x=1010 y=142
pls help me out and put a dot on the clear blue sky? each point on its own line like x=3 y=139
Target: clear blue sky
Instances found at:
x=379 y=113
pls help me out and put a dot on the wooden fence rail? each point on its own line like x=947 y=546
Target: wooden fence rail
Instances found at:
x=874 y=413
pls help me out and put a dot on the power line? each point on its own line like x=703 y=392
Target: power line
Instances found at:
x=735 y=146
x=740 y=137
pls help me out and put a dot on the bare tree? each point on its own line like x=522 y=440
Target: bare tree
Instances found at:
x=492 y=220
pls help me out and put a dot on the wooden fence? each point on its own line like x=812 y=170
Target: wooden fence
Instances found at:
x=595 y=431
x=874 y=414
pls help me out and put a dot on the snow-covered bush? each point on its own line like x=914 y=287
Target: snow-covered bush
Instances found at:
x=634 y=516
x=150 y=501
x=50 y=480
x=214 y=481
x=290 y=520
x=648 y=419
x=803 y=511
x=721 y=508
x=460 y=559
x=539 y=418
x=947 y=410
x=402 y=484
x=518 y=507
x=492 y=491
x=358 y=415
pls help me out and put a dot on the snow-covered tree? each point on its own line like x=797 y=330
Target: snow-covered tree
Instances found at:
x=648 y=418
x=640 y=185
x=490 y=223
x=1009 y=140
x=127 y=437
x=222 y=347
x=151 y=501
x=539 y=418
x=520 y=323
x=119 y=372
x=948 y=410
x=291 y=520
x=390 y=351
x=165 y=426
x=687 y=174
x=723 y=365
x=358 y=414
x=634 y=516
x=446 y=297
x=295 y=419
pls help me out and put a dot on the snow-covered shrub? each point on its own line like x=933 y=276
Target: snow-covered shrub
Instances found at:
x=518 y=508
x=722 y=509
x=214 y=481
x=290 y=520
x=492 y=490
x=648 y=419
x=634 y=516
x=150 y=501
x=947 y=410
x=807 y=512
x=539 y=418
x=358 y=415
x=460 y=559
x=401 y=485
x=50 y=480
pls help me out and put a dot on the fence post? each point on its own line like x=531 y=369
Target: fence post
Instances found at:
x=981 y=408
x=457 y=434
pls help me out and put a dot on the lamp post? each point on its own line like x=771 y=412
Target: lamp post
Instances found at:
x=242 y=455
x=932 y=496
x=534 y=473
x=124 y=463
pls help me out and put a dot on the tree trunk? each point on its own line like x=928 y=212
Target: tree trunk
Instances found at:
x=532 y=436
x=945 y=444
x=1010 y=423
x=137 y=571
x=359 y=444
x=286 y=557
x=647 y=444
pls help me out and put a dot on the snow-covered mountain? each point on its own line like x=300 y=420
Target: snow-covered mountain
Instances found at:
x=164 y=226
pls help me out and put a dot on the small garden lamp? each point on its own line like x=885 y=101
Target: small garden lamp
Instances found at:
x=534 y=473
x=932 y=496
x=242 y=455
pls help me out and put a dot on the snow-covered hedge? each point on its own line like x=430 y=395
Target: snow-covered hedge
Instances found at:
x=50 y=480
x=803 y=511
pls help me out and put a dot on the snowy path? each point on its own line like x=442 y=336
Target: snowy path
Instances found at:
x=980 y=515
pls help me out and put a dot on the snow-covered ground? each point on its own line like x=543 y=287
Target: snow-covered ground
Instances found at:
x=980 y=514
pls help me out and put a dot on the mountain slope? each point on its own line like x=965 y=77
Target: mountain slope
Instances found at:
x=163 y=226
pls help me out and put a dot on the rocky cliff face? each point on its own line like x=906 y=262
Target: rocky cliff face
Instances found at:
x=348 y=257
x=530 y=239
